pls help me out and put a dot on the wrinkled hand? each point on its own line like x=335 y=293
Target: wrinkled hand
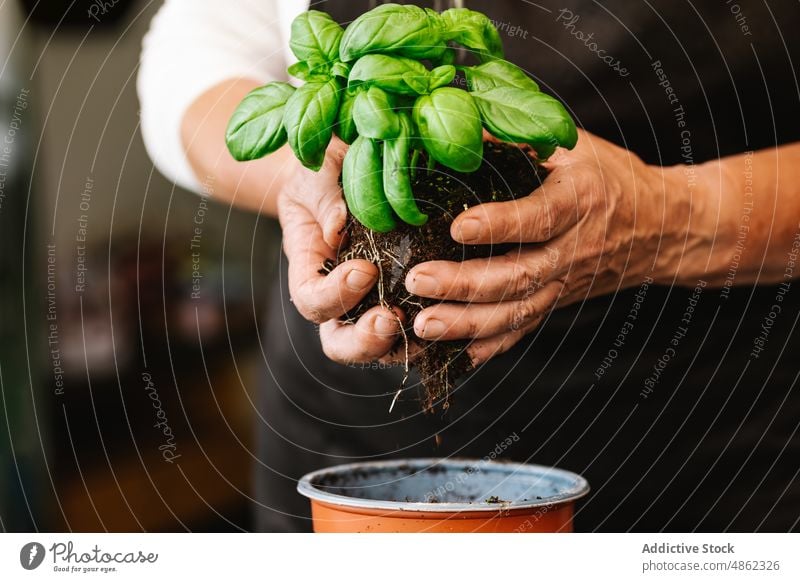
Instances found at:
x=312 y=213
x=601 y=221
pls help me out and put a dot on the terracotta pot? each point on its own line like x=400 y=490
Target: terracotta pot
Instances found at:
x=442 y=495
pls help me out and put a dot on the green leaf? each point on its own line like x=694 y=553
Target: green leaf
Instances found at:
x=309 y=118
x=340 y=69
x=523 y=116
x=256 y=126
x=387 y=72
x=448 y=58
x=396 y=178
x=315 y=36
x=405 y=30
x=497 y=73
x=450 y=127
x=362 y=183
x=374 y=116
x=441 y=76
x=474 y=31
x=345 y=126
x=310 y=70
x=419 y=85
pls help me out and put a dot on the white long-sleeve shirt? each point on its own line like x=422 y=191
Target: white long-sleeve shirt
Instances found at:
x=195 y=44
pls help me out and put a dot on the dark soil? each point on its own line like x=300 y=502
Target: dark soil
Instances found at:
x=507 y=172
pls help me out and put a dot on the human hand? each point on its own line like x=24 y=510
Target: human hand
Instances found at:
x=312 y=213
x=602 y=220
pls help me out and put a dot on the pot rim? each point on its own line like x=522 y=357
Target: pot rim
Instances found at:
x=306 y=486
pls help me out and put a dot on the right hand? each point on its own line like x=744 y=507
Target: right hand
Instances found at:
x=313 y=214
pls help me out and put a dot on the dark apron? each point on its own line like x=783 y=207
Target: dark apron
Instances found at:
x=702 y=436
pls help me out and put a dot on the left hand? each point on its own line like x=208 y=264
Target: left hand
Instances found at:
x=312 y=213
x=602 y=220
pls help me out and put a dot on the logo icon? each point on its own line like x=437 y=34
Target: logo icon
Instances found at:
x=31 y=555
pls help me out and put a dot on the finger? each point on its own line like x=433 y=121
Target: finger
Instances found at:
x=483 y=350
x=328 y=207
x=489 y=137
x=544 y=214
x=332 y=216
x=587 y=149
x=371 y=337
x=406 y=352
x=321 y=297
x=515 y=275
x=451 y=321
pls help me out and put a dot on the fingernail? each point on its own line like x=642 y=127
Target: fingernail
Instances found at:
x=469 y=229
x=433 y=328
x=358 y=280
x=424 y=285
x=385 y=325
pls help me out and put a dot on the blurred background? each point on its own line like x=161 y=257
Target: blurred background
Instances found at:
x=129 y=309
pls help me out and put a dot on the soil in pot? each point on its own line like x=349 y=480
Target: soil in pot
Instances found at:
x=507 y=172
x=442 y=496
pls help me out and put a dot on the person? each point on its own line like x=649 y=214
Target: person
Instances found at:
x=641 y=333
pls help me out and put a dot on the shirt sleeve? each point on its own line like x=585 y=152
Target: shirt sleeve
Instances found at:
x=191 y=46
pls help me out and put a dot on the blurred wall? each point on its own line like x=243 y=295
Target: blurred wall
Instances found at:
x=108 y=264
x=21 y=463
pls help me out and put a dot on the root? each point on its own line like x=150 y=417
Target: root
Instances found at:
x=406 y=365
x=375 y=256
x=410 y=301
x=506 y=175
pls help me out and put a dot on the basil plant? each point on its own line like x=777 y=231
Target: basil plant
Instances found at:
x=385 y=86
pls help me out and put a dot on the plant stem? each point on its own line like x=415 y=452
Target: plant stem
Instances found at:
x=413 y=164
